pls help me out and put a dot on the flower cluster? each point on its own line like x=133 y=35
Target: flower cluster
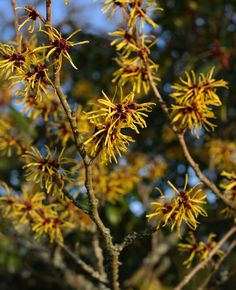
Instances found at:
x=30 y=209
x=199 y=250
x=132 y=44
x=110 y=119
x=46 y=169
x=194 y=99
x=183 y=206
x=229 y=187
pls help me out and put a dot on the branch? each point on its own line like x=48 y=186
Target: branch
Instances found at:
x=76 y=203
x=71 y=117
x=131 y=238
x=85 y=267
x=180 y=137
x=16 y=24
x=198 y=172
x=201 y=265
x=113 y=250
x=99 y=256
x=49 y=12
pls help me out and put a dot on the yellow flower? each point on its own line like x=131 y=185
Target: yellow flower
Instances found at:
x=111 y=6
x=126 y=111
x=199 y=250
x=32 y=16
x=25 y=209
x=107 y=140
x=204 y=85
x=34 y=77
x=46 y=169
x=140 y=10
x=60 y=46
x=184 y=206
x=194 y=98
x=110 y=119
x=11 y=59
x=193 y=114
x=50 y=223
x=134 y=72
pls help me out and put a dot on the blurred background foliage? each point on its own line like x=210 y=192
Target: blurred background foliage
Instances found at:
x=191 y=35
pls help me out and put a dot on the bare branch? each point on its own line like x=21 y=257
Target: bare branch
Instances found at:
x=99 y=255
x=85 y=267
x=16 y=23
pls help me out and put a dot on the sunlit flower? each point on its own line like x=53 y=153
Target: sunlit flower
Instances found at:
x=204 y=86
x=194 y=99
x=107 y=140
x=34 y=77
x=31 y=18
x=109 y=120
x=193 y=114
x=60 y=46
x=11 y=59
x=111 y=6
x=126 y=111
x=140 y=11
x=184 y=206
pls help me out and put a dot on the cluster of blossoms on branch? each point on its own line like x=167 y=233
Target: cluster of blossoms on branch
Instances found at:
x=183 y=206
x=48 y=220
x=199 y=250
x=194 y=99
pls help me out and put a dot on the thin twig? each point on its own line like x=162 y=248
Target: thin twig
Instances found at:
x=49 y=12
x=85 y=267
x=75 y=202
x=131 y=238
x=99 y=256
x=16 y=23
x=202 y=264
